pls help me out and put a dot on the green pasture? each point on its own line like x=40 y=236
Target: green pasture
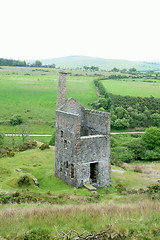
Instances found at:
x=34 y=96
x=136 y=88
x=41 y=165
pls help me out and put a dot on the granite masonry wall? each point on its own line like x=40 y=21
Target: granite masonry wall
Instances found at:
x=82 y=145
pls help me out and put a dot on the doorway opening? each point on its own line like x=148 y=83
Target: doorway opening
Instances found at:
x=93 y=172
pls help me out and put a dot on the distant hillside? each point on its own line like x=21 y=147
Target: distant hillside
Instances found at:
x=105 y=64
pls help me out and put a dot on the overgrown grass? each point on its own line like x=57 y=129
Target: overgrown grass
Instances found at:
x=135 y=221
x=138 y=215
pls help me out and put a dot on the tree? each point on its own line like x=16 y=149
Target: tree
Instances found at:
x=132 y=70
x=152 y=138
x=121 y=124
x=85 y=67
x=38 y=63
x=115 y=69
x=124 y=70
x=121 y=112
x=24 y=130
x=155 y=117
x=137 y=146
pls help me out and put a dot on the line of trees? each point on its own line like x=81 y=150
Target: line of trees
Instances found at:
x=18 y=63
x=92 y=68
x=11 y=62
x=128 y=111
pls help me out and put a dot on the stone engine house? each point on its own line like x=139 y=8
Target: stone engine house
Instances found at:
x=82 y=145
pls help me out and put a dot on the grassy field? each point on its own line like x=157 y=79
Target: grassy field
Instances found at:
x=137 y=88
x=137 y=214
x=34 y=97
x=32 y=93
x=41 y=165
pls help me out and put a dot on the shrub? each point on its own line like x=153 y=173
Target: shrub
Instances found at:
x=151 y=155
x=16 y=120
x=6 y=152
x=137 y=146
x=24 y=181
x=116 y=162
x=37 y=234
x=1 y=139
x=25 y=146
x=114 y=142
x=152 y=137
x=52 y=141
x=120 y=188
x=121 y=124
x=127 y=156
x=44 y=146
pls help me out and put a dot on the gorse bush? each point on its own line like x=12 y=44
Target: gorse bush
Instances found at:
x=16 y=120
x=44 y=146
x=24 y=181
x=28 y=145
x=6 y=152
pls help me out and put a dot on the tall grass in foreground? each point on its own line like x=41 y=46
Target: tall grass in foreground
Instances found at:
x=135 y=221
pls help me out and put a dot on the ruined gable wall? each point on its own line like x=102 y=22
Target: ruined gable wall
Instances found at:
x=93 y=148
x=99 y=122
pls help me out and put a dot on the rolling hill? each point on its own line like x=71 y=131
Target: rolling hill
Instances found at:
x=79 y=61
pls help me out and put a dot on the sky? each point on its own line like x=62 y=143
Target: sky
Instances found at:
x=111 y=29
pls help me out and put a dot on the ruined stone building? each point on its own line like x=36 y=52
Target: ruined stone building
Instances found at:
x=82 y=145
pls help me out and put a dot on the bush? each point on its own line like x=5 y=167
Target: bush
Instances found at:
x=120 y=188
x=24 y=181
x=44 y=146
x=52 y=141
x=37 y=234
x=151 y=155
x=114 y=142
x=137 y=146
x=127 y=156
x=16 y=120
x=6 y=152
x=121 y=124
x=152 y=138
x=1 y=139
x=25 y=146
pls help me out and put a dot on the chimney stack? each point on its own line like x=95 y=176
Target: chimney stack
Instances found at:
x=61 y=94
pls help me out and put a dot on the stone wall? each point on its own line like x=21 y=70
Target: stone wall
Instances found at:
x=98 y=122
x=82 y=144
x=67 y=139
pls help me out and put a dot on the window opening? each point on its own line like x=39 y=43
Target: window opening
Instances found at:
x=61 y=133
x=72 y=171
x=67 y=164
x=65 y=144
